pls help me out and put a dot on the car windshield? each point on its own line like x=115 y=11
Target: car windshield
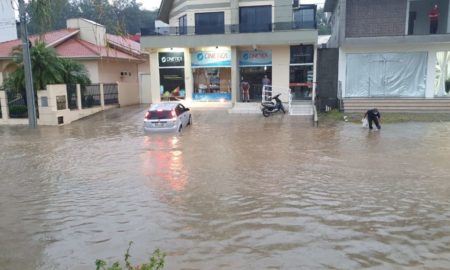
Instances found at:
x=160 y=114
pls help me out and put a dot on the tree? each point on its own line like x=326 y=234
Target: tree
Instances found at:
x=323 y=22
x=118 y=16
x=47 y=68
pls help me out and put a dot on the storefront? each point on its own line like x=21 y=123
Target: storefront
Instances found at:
x=254 y=67
x=171 y=75
x=211 y=71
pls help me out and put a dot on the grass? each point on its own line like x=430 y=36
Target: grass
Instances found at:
x=336 y=116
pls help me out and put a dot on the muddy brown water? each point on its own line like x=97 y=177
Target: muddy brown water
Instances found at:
x=230 y=192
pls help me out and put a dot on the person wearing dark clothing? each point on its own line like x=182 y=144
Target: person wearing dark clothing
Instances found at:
x=434 y=18
x=373 y=116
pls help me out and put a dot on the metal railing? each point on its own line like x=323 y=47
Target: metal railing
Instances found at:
x=17 y=107
x=228 y=29
x=90 y=96
x=266 y=94
x=72 y=96
x=111 y=93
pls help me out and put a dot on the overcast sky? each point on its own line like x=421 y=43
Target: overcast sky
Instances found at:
x=154 y=4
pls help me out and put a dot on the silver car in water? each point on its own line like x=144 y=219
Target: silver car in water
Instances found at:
x=167 y=116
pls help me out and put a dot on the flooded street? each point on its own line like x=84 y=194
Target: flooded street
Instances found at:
x=230 y=192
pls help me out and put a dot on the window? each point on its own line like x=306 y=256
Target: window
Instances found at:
x=302 y=54
x=255 y=19
x=209 y=23
x=212 y=83
x=182 y=23
x=305 y=17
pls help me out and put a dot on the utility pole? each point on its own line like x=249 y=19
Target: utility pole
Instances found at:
x=31 y=105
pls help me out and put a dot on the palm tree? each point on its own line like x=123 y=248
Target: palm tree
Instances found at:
x=74 y=72
x=45 y=66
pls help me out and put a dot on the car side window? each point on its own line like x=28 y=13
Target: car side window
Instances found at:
x=178 y=110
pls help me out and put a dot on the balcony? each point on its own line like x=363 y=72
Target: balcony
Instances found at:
x=230 y=35
x=419 y=21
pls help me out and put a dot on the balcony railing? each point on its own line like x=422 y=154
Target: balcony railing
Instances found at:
x=228 y=29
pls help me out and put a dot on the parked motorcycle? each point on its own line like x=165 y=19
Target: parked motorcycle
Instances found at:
x=269 y=107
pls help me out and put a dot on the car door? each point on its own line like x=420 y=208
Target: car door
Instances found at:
x=183 y=114
x=180 y=115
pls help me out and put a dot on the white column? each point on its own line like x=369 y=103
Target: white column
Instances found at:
x=314 y=75
x=235 y=80
x=102 y=96
x=155 y=82
x=4 y=105
x=188 y=78
x=431 y=73
x=79 y=97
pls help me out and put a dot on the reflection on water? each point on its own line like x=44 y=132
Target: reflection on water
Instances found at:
x=231 y=192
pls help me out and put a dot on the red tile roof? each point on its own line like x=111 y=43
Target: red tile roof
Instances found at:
x=49 y=38
x=68 y=45
x=77 y=48
x=124 y=43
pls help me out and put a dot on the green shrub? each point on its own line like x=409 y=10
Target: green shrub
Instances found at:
x=156 y=262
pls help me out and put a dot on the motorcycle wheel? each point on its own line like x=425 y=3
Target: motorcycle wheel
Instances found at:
x=266 y=113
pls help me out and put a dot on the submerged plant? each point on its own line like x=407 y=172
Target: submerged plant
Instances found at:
x=156 y=262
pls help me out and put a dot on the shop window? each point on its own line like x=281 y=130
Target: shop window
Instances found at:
x=172 y=84
x=302 y=54
x=442 y=81
x=254 y=76
x=255 y=19
x=209 y=23
x=212 y=83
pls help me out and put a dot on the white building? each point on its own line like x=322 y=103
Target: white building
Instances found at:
x=8 y=30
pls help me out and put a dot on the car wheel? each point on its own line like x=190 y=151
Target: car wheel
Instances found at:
x=190 y=120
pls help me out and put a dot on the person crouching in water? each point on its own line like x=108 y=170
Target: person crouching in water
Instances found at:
x=373 y=116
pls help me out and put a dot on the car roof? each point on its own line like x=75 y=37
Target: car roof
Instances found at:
x=164 y=106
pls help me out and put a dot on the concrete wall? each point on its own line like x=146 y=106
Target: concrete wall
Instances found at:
x=93 y=69
x=129 y=94
x=327 y=77
x=280 y=71
x=337 y=25
x=369 y=18
x=110 y=71
x=89 y=30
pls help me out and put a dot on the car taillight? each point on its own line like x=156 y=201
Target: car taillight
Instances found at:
x=147 y=115
x=174 y=114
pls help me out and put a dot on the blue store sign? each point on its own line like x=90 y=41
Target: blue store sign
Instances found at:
x=211 y=59
x=255 y=58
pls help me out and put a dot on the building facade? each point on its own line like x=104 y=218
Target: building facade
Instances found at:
x=108 y=58
x=7 y=21
x=392 y=53
x=212 y=48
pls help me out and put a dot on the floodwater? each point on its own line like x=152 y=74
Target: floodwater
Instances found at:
x=230 y=192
